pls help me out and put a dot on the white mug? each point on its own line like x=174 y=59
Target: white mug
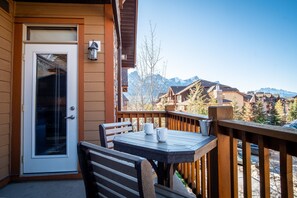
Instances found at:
x=148 y=128
x=161 y=134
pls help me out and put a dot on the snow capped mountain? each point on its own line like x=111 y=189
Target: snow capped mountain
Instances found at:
x=281 y=92
x=161 y=82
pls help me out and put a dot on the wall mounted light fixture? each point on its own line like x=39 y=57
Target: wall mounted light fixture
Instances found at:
x=124 y=57
x=94 y=48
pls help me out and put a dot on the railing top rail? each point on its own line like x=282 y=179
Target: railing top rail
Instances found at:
x=278 y=132
x=126 y=112
x=188 y=115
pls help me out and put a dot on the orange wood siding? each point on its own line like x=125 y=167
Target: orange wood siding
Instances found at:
x=6 y=31
x=94 y=71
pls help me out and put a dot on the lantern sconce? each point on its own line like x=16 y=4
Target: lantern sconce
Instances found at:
x=124 y=57
x=93 y=49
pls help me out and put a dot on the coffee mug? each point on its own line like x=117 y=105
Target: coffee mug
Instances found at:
x=148 y=128
x=161 y=134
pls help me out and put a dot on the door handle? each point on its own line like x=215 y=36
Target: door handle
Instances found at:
x=70 y=117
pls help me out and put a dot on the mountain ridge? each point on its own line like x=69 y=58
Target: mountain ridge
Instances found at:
x=164 y=83
x=283 y=93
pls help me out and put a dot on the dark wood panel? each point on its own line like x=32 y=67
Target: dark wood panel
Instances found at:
x=68 y=1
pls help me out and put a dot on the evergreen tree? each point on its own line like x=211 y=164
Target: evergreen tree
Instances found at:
x=197 y=100
x=273 y=117
x=293 y=111
x=279 y=112
x=259 y=113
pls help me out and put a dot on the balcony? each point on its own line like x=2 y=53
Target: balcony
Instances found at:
x=250 y=159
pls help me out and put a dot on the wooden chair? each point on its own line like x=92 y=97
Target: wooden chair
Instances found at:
x=109 y=130
x=110 y=173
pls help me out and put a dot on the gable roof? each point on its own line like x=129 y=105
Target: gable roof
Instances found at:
x=177 y=89
x=224 y=88
x=206 y=84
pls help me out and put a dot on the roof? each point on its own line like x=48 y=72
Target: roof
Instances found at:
x=209 y=86
x=177 y=89
x=224 y=88
x=129 y=32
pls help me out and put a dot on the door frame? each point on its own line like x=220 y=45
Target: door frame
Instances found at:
x=17 y=95
x=45 y=163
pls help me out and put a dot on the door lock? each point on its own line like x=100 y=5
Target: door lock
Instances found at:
x=70 y=117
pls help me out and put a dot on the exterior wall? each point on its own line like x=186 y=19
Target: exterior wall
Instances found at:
x=94 y=71
x=6 y=32
x=234 y=96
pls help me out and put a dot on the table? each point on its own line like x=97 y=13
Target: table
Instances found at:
x=180 y=147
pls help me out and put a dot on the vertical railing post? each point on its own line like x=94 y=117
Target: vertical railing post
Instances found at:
x=219 y=183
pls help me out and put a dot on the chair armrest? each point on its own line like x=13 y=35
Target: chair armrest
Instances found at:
x=162 y=191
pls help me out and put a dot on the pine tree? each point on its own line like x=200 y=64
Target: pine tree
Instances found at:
x=279 y=112
x=293 y=111
x=259 y=113
x=197 y=100
x=273 y=117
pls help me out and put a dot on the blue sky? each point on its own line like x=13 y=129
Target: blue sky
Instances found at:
x=247 y=44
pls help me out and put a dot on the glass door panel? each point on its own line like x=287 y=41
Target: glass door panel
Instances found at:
x=51 y=97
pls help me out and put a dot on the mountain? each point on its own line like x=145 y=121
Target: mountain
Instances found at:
x=163 y=83
x=281 y=92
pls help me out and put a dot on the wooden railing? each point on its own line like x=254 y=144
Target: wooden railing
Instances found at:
x=195 y=173
x=218 y=174
x=274 y=146
x=137 y=118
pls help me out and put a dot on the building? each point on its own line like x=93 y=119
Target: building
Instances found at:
x=55 y=87
x=178 y=96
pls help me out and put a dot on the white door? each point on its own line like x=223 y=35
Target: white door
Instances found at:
x=50 y=108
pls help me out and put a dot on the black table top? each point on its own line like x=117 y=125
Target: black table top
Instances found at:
x=180 y=146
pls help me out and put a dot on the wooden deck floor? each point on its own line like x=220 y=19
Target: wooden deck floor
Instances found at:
x=58 y=189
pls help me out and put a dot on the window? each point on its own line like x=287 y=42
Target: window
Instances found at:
x=51 y=34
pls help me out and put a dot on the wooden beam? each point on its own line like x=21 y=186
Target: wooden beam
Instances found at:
x=286 y=172
x=220 y=157
x=109 y=65
x=264 y=168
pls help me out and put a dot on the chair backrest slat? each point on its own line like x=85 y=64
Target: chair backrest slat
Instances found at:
x=115 y=187
x=109 y=130
x=115 y=163
x=110 y=173
x=117 y=176
x=113 y=131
